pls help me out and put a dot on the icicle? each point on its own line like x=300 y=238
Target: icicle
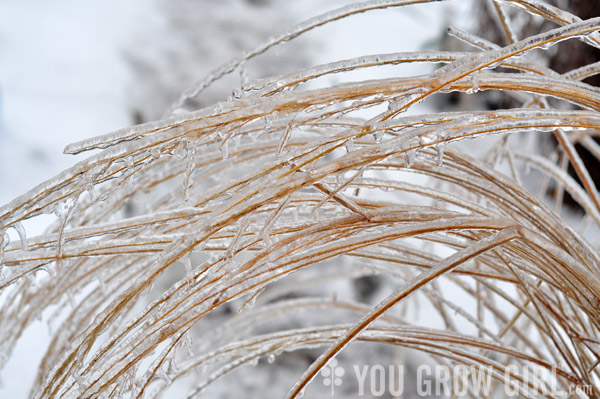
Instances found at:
x=378 y=135
x=236 y=140
x=64 y=210
x=155 y=152
x=4 y=241
x=236 y=94
x=80 y=380
x=18 y=226
x=187 y=263
x=251 y=301
x=71 y=298
x=224 y=149
x=102 y=283
x=172 y=369
x=254 y=134
x=243 y=75
x=91 y=191
x=89 y=180
x=349 y=145
x=393 y=105
x=31 y=279
x=527 y=168
x=232 y=246
x=475 y=82
x=264 y=235
x=128 y=160
x=295 y=215
x=186 y=341
x=188 y=173
x=51 y=270
x=264 y=232
x=284 y=139
x=439 y=159
x=164 y=376
x=316 y=215
x=409 y=158
x=269 y=119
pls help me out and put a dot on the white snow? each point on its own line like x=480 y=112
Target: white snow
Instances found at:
x=62 y=78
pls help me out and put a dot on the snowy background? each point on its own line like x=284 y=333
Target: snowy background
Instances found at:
x=76 y=69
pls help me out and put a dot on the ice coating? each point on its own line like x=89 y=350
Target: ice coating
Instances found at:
x=176 y=245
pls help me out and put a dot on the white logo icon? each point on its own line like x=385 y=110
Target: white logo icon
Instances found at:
x=332 y=373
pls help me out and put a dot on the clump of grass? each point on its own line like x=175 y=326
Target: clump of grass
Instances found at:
x=280 y=179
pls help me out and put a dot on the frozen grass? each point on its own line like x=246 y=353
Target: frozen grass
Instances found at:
x=281 y=178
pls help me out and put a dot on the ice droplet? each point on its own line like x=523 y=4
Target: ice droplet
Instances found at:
x=181 y=151
x=59 y=209
x=63 y=208
x=271 y=358
x=155 y=152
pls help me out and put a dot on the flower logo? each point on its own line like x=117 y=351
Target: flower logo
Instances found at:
x=332 y=373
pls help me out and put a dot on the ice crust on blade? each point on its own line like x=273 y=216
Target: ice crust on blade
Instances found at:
x=293 y=202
